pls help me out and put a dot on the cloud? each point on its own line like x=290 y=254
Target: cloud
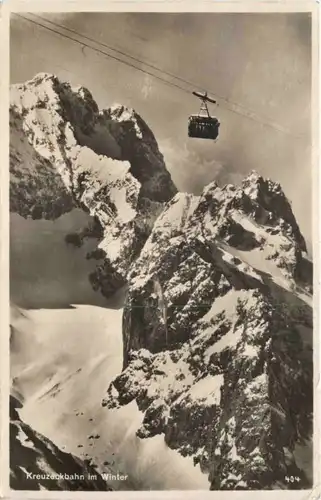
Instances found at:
x=182 y=160
x=147 y=88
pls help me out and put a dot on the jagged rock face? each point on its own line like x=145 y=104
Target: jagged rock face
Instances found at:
x=37 y=464
x=36 y=188
x=201 y=248
x=156 y=182
x=217 y=333
x=106 y=162
x=270 y=196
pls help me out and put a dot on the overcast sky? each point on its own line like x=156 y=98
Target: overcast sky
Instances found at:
x=259 y=61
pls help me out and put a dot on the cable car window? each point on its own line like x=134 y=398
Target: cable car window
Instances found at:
x=203 y=125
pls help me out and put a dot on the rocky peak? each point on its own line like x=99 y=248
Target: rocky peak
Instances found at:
x=269 y=195
x=105 y=162
x=217 y=333
x=255 y=215
x=138 y=145
x=119 y=132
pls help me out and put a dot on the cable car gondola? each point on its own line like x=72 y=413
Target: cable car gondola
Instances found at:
x=203 y=125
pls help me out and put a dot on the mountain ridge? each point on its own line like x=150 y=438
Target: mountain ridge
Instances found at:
x=234 y=278
x=81 y=157
x=217 y=322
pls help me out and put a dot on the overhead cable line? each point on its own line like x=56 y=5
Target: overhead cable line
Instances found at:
x=253 y=116
x=152 y=66
x=103 y=53
x=228 y=104
x=121 y=52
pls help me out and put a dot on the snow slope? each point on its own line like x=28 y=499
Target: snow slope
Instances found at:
x=45 y=271
x=61 y=384
x=37 y=464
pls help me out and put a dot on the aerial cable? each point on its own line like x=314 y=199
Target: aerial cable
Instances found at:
x=103 y=53
x=152 y=66
x=121 y=52
x=251 y=116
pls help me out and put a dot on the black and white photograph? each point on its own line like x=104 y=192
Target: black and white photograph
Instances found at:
x=161 y=251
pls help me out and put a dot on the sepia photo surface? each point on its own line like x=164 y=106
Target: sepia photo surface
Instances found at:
x=161 y=251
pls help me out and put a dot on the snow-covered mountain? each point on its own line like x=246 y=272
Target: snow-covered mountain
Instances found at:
x=208 y=359
x=65 y=153
x=217 y=335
